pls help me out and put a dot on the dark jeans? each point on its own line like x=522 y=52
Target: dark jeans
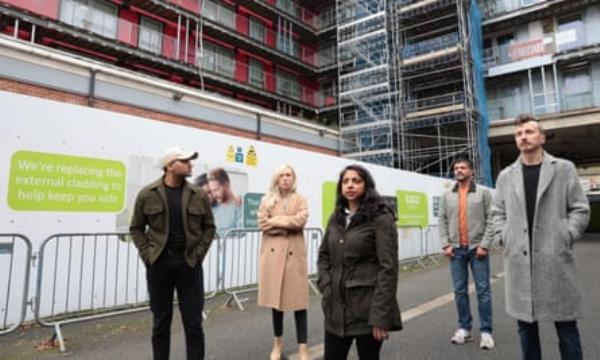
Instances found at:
x=568 y=340
x=170 y=272
x=480 y=268
x=301 y=324
x=337 y=348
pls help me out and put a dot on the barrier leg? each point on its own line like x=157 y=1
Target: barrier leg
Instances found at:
x=59 y=337
x=233 y=296
x=313 y=287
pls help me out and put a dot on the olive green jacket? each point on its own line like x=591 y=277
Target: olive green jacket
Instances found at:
x=150 y=222
x=358 y=275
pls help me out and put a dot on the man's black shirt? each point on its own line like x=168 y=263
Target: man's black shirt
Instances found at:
x=176 y=239
x=531 y=176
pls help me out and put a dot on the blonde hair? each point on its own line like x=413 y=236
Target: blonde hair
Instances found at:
x=274 y=195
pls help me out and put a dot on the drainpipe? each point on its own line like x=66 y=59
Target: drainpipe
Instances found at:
x=92 y=88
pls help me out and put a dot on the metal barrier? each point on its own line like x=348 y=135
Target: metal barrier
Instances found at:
x=432 y=246
x=410 y=244
x=240 y=255
x=312 y=239
x=420 y=245
x=210 y=266
x=86 y=276
x=241 y=250
x=15 y=263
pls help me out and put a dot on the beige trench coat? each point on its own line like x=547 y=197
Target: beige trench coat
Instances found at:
x=282 y=268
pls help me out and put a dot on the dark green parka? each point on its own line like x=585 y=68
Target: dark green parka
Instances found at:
x=358 y=274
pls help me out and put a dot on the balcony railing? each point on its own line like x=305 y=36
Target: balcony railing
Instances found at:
x=493 y=8
x=311 y=19
x=431 y=45
x=434 y=102
x=171 y=48
x=578 y=101
x=510 y=107
x=513 y=52
x=258 y=32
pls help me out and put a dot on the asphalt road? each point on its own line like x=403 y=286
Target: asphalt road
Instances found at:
x=424 y=296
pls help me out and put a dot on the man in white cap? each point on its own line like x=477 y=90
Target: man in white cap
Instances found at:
x=172 y=227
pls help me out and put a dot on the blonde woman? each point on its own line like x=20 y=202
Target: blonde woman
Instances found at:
x=282 y=283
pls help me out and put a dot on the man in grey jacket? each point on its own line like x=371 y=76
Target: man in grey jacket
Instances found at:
x=466 y=233
x=539 y=211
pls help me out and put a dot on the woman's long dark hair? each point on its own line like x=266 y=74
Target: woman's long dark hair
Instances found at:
x=371 y=203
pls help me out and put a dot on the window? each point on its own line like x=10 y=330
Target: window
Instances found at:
x=288 y=85
x=287 y=45
x=570 y=32
x=219 y=13
x=218 y=59
x=504 y=43
x=327 y=17
x=257 y=30
x=256 y=75
x=288 y=6
x=151 y=35
x=327 y=54
x=578 y=89
x=98 y=16
x=329 y=91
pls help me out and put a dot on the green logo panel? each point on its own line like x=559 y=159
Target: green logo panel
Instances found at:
x=412 y=208
x=329 y=190
x=55 y=182
x=251 y=205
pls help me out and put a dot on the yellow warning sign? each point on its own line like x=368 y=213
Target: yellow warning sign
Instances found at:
x=230 y=154
x=251 y=156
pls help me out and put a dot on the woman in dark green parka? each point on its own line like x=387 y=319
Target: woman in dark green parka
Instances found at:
x=358 y=269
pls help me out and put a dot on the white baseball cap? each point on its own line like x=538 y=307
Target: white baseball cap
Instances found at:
x=177 y=153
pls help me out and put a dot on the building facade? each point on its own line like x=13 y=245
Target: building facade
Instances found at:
x=399 y=79
x=273 y=54
x=543 y=58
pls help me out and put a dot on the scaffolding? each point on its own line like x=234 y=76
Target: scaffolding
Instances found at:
x=409 y=85
x=366 y=110
x=439 y=116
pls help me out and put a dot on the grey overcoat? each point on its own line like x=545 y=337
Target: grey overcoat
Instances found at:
x=541 y=280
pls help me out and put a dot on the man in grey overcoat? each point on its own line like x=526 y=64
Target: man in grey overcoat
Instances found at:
x=539 y=210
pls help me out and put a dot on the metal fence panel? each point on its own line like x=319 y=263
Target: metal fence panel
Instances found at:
x=410 y=243
x=433 y=245
x=86 y=276
x=241 y=250
x=15 y=263
x=312 y=239
x=240 y=256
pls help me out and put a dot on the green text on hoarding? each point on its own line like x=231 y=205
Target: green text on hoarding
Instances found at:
x=55 y=182
x=412 y=208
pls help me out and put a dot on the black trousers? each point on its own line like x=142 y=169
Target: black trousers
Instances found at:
x=168 y=273
x=569 y=341
x=301 y=324
x=337 y=348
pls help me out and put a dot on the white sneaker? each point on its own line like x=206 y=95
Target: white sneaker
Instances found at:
x=487 y=342
x=461 y=336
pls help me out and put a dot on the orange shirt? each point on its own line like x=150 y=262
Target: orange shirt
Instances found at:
x=463 y=227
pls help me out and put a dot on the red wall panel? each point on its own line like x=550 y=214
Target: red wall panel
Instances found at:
x=128 y=31
x=191 y=5
x=241 y=68
x=47 y=8
x=269 y=71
